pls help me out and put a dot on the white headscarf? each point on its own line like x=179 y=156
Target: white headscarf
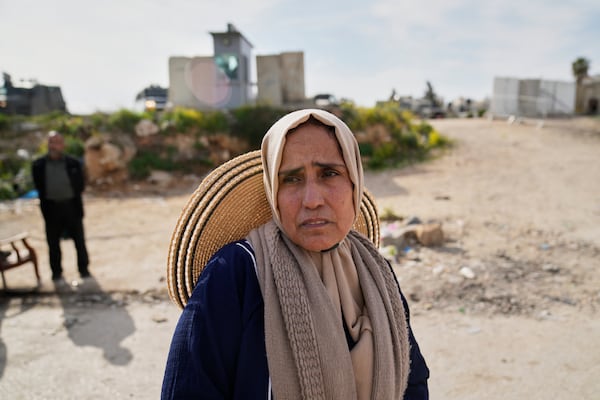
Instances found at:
x=274 y=142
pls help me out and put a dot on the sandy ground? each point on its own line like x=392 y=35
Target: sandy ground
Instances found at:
x=520 y=208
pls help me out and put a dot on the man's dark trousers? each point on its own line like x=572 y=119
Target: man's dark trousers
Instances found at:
x=62 y=220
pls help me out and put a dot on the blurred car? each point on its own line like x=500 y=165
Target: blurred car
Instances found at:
x=153 y=98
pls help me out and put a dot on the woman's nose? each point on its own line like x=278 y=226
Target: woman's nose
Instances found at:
x=312 y=196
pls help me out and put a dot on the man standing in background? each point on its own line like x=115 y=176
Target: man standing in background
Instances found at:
x=60 y=181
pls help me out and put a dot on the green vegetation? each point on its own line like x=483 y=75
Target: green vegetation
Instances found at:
x=182 y=120
x=387 y=138
x=391 y=137
x=251 y=123
x=146 y=161
x=4 y=122
x=124 y=121
x=14 y=177
x=388 y=214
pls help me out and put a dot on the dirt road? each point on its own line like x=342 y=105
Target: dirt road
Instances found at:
x=520 y=208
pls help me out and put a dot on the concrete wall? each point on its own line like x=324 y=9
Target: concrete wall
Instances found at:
x=505 y=96
x=557 y=98
x=280 y=78
x=268 y=74
x=196 y=82
x=292 y=67
x=532 y=98
x=528 y=98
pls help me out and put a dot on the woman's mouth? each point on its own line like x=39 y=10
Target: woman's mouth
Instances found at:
x=314 y=223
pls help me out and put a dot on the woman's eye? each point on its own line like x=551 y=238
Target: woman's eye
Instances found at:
x=290 y=179
x=330 y=172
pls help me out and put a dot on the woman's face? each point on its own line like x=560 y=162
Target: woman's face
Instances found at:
x=315 y=196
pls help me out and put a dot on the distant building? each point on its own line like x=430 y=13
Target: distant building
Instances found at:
x=532 y=98
x=30 y=98
x=213 y=82
x=223 y=81
x=591 y=95
x=280 y=78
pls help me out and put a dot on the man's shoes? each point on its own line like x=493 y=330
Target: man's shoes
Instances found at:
x=59 y=283
x=85 y=274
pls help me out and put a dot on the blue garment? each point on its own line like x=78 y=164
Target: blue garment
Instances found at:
x=218 y=348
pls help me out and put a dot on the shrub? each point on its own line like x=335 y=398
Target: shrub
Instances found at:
x=215 y=122
x=145 y=161
x=436 y=140
x=74 y=146
x=124 y=121
x=251 y=123
x=15 y=178
x=99 y=121
x=48 y=119
x=68 y=126
x=366 y=149
x=383 y=156
x=408 y=142
x=183 y=120
x=389 y=215
x=6 y=190
x=4 y=122
x=10 y=165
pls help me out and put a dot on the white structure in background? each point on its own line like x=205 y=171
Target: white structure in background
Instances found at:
x=223 y=81
x=532 y=98
x=217 y=82
x=280 y=78
x=590 y=88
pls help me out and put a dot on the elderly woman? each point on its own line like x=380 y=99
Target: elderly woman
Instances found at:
x=304 y=307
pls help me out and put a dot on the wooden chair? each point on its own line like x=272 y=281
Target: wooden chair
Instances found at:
x=20 y=253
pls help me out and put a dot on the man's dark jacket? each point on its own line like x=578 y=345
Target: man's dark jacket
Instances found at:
x=76 y=177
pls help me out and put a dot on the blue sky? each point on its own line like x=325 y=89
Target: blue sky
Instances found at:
x=102 y=53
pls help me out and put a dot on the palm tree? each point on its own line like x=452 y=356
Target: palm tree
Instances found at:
x=580 y=68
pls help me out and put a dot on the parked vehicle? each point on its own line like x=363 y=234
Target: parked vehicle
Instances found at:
x=153 y=97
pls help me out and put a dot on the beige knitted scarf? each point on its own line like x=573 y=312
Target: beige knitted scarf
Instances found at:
x=307 y=352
